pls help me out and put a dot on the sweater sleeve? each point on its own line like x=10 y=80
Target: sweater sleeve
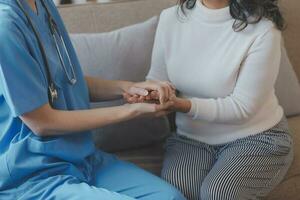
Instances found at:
x=158 y=70
x=255 y=82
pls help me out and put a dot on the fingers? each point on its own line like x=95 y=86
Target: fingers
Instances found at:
x=141 y=99
x=162 y=113
x=163 y=107
x=169 y=90
x=149 y=91
x=154 y=95
x=138 y=91
x=164 y=89
x=171 y=85
x=133 y=98
x=154 y=110
x=163 y=92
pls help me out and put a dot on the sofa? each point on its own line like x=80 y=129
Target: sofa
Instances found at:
x=145 y=147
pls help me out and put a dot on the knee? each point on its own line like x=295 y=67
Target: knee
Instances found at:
x=218 y=190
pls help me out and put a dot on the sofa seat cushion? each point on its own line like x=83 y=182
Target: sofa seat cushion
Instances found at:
x=150 y=158
x=290 y=186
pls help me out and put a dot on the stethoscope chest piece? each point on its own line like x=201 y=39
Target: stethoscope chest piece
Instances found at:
x=73 y=81
x=53 y=94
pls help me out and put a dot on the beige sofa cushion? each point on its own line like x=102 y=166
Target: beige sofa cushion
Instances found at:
x=104 y=17
x=290 y=9
x=290 y=187
x=287 y=87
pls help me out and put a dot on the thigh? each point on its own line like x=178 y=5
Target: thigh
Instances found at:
x=186 y=164
x=128 y=179
x=249 y=168
x=67 y=187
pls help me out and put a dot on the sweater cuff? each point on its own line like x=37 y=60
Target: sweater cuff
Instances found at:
x=203 y=109
x=193 y=111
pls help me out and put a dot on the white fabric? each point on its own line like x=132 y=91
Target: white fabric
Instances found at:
x=228 y=76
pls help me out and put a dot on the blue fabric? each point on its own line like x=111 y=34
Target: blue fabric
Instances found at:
x=112 y=180
x=23 y=88
x=61 y=167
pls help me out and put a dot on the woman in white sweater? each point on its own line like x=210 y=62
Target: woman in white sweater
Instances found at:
x=223 y=56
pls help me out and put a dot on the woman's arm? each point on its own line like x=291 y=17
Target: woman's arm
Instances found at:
x=254 y=85
x=46 y=121
x=158 y=70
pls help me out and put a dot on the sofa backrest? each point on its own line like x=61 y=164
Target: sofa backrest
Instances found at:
x=103 y=17
x=290 y=9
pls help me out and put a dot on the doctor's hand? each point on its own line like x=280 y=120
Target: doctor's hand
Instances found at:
x=149 y=91
x=150 y=110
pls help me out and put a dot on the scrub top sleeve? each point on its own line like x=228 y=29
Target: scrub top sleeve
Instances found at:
x=23 y=83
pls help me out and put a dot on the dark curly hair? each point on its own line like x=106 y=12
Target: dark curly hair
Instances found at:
x=247 y=12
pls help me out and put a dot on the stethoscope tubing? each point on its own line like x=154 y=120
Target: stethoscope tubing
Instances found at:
x=52 y=91
x=54 y=30
x=70 y=79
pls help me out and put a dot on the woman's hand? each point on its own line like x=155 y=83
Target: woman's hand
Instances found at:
x=180 y=104
x=156 y=91
x=141 y=92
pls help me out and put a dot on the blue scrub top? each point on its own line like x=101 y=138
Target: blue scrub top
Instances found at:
x=23 y=88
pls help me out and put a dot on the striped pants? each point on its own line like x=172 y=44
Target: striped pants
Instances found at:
x=248 y=168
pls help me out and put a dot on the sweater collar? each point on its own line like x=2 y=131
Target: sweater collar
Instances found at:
x=211 y=15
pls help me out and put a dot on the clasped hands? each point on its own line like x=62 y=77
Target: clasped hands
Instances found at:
x=155 y=98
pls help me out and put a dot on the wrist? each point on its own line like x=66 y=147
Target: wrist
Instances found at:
x=183 y=105
x=131 y=110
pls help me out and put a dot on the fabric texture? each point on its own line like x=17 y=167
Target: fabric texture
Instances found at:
x=287 y=86
x=247 y=168
x=113 y=179
x=102 y=17
x=23 y=154
x=232 y=95
x=122 y=54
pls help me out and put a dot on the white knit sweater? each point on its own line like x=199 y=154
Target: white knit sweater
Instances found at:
x=228 y=76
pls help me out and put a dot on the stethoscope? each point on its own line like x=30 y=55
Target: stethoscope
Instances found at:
x=57 y=37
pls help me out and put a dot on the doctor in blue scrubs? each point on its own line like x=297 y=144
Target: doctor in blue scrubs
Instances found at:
x=46 y=148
